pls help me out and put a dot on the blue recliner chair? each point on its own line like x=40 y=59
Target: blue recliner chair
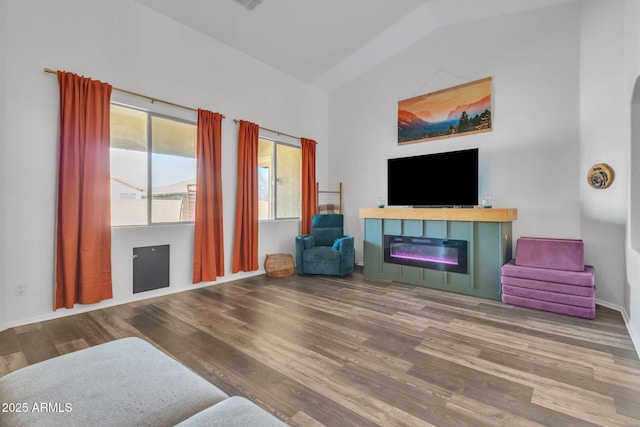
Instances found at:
x=326 y=250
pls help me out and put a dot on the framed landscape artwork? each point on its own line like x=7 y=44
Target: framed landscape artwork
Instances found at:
x=460 y=110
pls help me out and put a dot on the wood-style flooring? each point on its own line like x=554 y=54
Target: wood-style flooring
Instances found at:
x=356 y=351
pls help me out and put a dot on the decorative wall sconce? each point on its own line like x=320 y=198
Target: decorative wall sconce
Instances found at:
x=600 y=176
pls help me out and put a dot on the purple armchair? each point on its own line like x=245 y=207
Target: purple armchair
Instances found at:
x=550 y=275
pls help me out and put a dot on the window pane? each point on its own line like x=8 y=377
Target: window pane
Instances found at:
x=288 y=160
x=128 y=166
x=173 y=170
x=279 y=167
x=265 y=179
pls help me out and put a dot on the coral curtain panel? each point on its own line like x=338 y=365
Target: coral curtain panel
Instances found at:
x=245 y=243
x=309 y=201
x=83 y=223
x=208 y=245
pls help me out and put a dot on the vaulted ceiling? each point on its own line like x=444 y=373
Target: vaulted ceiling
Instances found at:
x=326 y=43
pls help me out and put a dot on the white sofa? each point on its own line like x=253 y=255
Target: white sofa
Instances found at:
x=126 y=382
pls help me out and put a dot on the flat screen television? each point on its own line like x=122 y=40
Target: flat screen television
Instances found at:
x=448 y=179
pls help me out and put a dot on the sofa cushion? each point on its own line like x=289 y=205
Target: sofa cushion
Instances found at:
x=586 y=277
x=321 y=260
x=126 y=382
x=308 y=241
x=560 y=288
x=326 y=236
x=570 y=310
x=557 y=254
x=567 y=299
x=233 y=412
x=321 y=254
x=327 y=228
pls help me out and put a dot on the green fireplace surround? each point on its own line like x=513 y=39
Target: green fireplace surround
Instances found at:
x=486 y=231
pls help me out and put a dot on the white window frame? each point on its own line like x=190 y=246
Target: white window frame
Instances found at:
x=273 y=208
x=158 y=110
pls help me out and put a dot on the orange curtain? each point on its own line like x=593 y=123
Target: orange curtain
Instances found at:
x=245 y=243
x=208 y=243
x=83 y=223
x=309 y=202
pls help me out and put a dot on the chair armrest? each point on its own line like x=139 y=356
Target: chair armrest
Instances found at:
x=344 y=243
x=303 y=241
x=306 y=241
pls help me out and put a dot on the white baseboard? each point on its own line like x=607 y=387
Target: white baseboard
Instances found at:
x=79 y=309
x=633 y=334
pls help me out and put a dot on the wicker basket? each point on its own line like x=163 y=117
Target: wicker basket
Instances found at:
x=279 y=265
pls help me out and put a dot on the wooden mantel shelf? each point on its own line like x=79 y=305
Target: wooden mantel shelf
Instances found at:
x=443 y=214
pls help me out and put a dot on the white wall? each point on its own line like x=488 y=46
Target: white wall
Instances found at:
x=529 y=161
x=134 y=48
x=604 y=138
x=632 y=284
x=632 y=92
x=3 y=146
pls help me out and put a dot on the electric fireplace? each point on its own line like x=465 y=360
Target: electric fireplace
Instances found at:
x=427 y=252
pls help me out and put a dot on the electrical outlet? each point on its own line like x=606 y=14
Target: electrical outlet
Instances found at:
x=21 y=290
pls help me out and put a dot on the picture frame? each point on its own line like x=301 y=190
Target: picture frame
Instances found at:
x=455 y=111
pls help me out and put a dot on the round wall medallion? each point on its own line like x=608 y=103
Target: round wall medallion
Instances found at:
x=600 y=176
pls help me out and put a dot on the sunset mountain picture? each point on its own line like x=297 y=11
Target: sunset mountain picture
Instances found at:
x=463 y=109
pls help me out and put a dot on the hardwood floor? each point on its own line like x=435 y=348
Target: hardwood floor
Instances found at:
x=357 y=351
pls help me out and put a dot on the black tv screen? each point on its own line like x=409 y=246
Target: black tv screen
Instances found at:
x=447 y=179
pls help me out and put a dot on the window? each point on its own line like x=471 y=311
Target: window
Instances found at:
x=279 y=176
x=153 y=167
